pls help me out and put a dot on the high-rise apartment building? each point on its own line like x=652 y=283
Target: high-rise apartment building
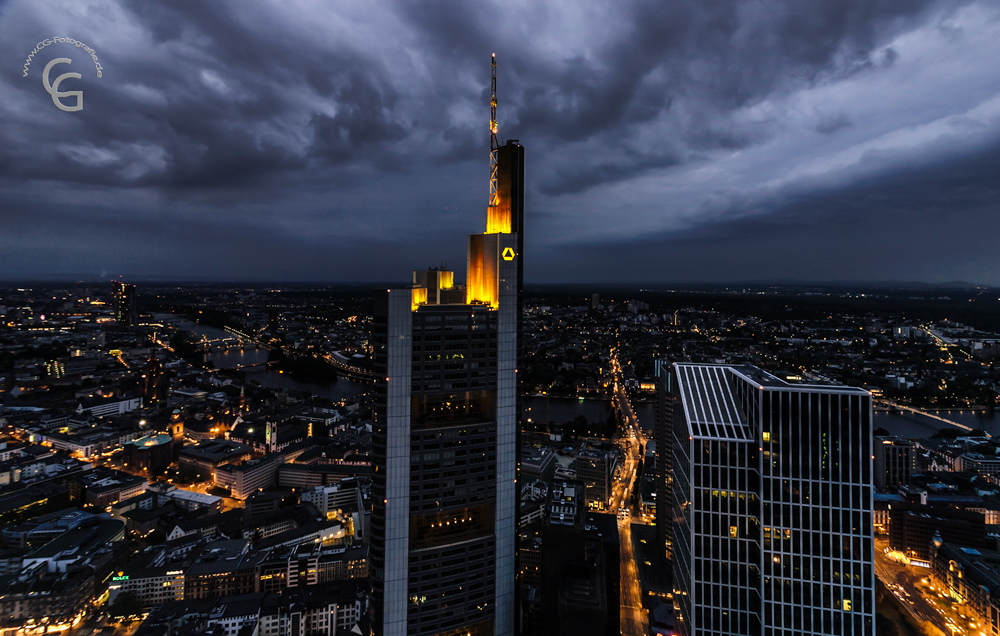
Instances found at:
x=773 y=498
x=445 y=439
x=123 y=296
x=893 y=459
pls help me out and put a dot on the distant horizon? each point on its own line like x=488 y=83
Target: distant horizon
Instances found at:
x=651 y=286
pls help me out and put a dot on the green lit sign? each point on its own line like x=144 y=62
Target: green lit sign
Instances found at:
x=120 y=578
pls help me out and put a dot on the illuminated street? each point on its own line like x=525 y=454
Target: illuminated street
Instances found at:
x=633 y=617
x=912 y=587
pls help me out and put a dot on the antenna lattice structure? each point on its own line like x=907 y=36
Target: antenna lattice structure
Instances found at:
x=494 y=144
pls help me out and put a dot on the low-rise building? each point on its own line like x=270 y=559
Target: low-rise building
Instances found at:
x=971 y=578
x=37 y=532
x=330 y=532
x=537 y=464
x=345 y=495
x=261 y=503
x=980 y=464
x=144 y=501
x=58 y=582
x=207 y=456
x=152 y=577
x=233 y=613
x=186 y=499
x=881 y=517
x=151 y=454
x=251 y=476
x=310 y=476
x=912 y=526
x=104 y=487
x=101 y=406
x=224 y=568
x=326 y=611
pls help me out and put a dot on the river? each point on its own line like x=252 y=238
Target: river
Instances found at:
x=562 y=409
x=236 y=357
x=901 y=423
x=911 y=425
x=543 y=408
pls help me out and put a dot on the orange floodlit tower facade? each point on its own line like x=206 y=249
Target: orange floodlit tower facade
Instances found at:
x=445 y=436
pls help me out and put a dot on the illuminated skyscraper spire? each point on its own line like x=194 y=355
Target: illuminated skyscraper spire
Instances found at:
x=498 y=219
x=494 y=144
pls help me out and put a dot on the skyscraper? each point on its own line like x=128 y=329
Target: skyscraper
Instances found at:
x=772 y=492
x=664 y=442
x=444 y=442
x=123 y=295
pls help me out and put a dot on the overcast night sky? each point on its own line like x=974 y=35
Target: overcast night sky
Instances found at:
x=682 y=140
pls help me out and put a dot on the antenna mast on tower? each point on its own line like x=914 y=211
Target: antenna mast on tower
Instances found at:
x=494 y=145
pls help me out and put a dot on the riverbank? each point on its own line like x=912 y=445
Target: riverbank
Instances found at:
x=252 y=360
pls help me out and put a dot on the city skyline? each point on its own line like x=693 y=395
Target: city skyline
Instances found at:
x=691 y=143
x=269 y=448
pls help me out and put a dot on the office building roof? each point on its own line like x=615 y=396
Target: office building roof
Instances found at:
x=81 y=540
x=709 y=405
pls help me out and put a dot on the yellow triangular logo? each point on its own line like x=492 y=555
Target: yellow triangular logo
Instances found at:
x=508 y=253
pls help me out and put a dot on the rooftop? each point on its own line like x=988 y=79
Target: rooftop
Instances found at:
x=81 y=540
x=215 y=450
x=709 y=404
x=220 y=556
x=189 y=495
x=152 y=440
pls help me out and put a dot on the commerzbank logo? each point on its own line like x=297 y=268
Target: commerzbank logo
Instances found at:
x=66 y=100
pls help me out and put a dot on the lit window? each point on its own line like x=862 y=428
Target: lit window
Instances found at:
x=847 y=605
x=734 y=531
x=766 y=436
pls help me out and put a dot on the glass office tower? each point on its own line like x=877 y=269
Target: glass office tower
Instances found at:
x=772 y=493
x=444 y=443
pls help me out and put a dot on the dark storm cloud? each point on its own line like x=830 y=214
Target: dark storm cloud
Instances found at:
x=932 y=224
x=223 y=113
x=712 y=57
x=585 y=177
x=363 y=121
x=831 y=123
x=315 y=124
